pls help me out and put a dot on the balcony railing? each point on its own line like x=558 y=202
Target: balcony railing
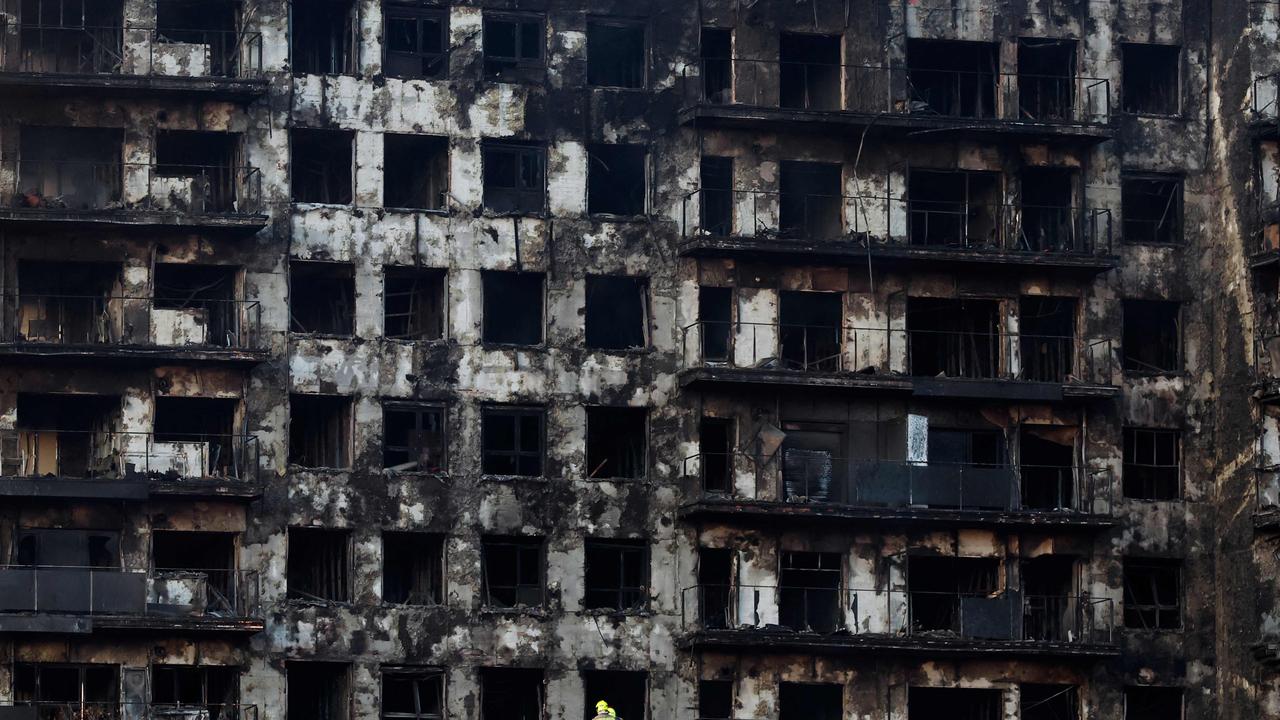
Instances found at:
x=215 y=593
x=796 y=475
x=73 y=186
x=1006 y=615
x=87 y=320
x=892 y=351
x=90 y=710
x=71 y=49
x=861 y=220
x=900 y=91
x=110 y=455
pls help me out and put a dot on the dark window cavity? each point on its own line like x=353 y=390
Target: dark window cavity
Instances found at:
x=617 y=440
x=715 y=699
x=616 y=179
x=320 y=431
x=512 y=307
x=626 y=691
x=616 y=54
x=715 y=588
x=715 y=439
x=715 y=198
x=1152 y=464
x=617 y=312
x=717 y=65
x=415 y=171
x=1048 y=211
x=810 y=701
x=715 y=318
x=68 y=36
x=1152 y=594
x=513 y=47
x=321 y=298
x=412 y=693
x=81 y=689
x=413 y=437
x=1150 y=78
x=511 y=694
x=1046 y=80
x=72 y=168
x=617 y=575
x=206 y=160
x=320 y=162
x=1151 y=206
x=514 y=177
x=954 y=704
x=1046 y=461
x=935 y=585
x=811 y=332
x=1047 y=340
x=953 y=78
x=513 y=572
x=318 y=690
x=954 y=208
x=1041 y=701
x=809 y=75
x=412 y=568
x=213 y=687
x=1152 y=337
x=413 y=302
x=955 y=338
x=809 y=591
x=64 y=547
x=810 y=200
x=319 y=565
x=416 y=42
x=207 y=293
x=325 y=37
x=512 y=441
x=1152 y=703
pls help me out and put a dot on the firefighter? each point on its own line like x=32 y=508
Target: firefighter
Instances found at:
x=604 y=712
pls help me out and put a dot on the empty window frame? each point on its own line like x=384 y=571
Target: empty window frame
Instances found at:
x=1152 y=464
x=415 y=171
x=213 y=687
x=1145 y=702
x=935 y=584
x=413 y=303
x=811 y=330
x=617 y=312
x=616 y=575
x=1046 y=80
x=413 y=437
x=954 y=208
x=953 y=78
x=616 y=179
x=211 y=554
x=1042 y=701
x=320 y=431
x=320 y=164
x=514 y=46
x=412 y=693
x=810 y=701
x=512 y=694
x=416 y=43
x=412 y=568
x=954 y=338
x=626 y=690
x=715 y=323
x=715 y=196
x=512 y=441
x=318 y=690
x=715 y=699
x=324 y=37
x=810 y=200
x=514 y=571
x=514 y=177
x=205 y=160
x=85 y=688
x=809 y=71
x=1152 y=594
x=1150 y=78
x=715 y=441
x=513 y=307
x=716 y=56
x=1152 y=337
x=809 y=591
x=617 y=55
x=68 y=36
x=322 y=298
x=319 y=565
x=1151 y=206
x=1046 y=337
x=75 y=168
x=954 y=704
x=617 y=442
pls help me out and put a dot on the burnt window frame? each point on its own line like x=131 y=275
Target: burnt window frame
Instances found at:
x=415 y=674
x=1178 y=80
x=487 y=276
x=417 y=275
x=349 y=137
x=518 y=544
x=1137 y=689
x=516 y=411
x=326 y=270
x=1179 y=352
x=598 y=284
x=416 y=12
x=1129 y=436
x=420 y=140
x=519 y=150
x=619 y=589
x=630 y=413
x=519 y=61
x=595 y=157
x=82 y=669
x=335 y=670
x=346 y=452
x=1178 y=608
x=351 y=63
x=418 y=409
x=1179 y=237
x=346 y=589
x=646 y=54
x=441 y=570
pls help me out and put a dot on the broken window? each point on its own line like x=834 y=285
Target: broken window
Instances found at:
x=1041 y=701
x=69 y=36
x=715 y=321
x=413 y=438
x=1152 y=467
x=413 y=303
x=953 y=338
x=196 y=305
x=1150 y=78
x=813 y=467
x=412 y=568
x=811 y=330
x=715 y=197
x=809 y=72
x=1152 y=337
x=809 y=200
x=325 y=36
x=810 y=701
x=67 y=302
x=953 y=78
x=1050 y=608
x=513 y=571
x=82 y=689
x=615 y=54
x=195 y=437
x=210 y=554
x=320 y=431
x=1046 y=459
x=626 y=690
x=514 y=177
x=322 y=298
x=954 y=208
x=318 y=690
x=954 y=704
x=809 y=592
x=511 y=694
x=513 y=47
x=715 y=699
x=212 y=688
x=512 y=307
x=415 y=171
x=717 y=65
x=617 y=575
x=1144 y=702
x=205 y=162
x=617 y=312
x=715 y=586
x=935 y=586
x=1151 y=206
x=320 y=163
x=1046 y=79
x=417 y=41
x=512 y=441
x=412 y=693
x=715 y=440
x=617 y=438
x=616 y=179
x=63 y=547
x=1047 y=338
x=63 y=435
x=318 y=565
x=70 y=168
x=1048 y=216
x=1152 y=594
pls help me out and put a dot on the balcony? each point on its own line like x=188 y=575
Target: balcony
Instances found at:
x=89 y=710
x=77 y=600
x=924 y=363
x=769 y=94
x=44 y=59
x=131 y=466
x=808 y=485
x=1266 y=512
x=838 y=621
x=93 y=194
x=44 y=328
x=770 y=225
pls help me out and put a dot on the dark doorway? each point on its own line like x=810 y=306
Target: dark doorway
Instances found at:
x=1051 y=612
x=1048 y=218
x=809 y=202
x=809 y=76
x=1046 y=461
x=715 y=318
x=717 y=65
x=1046 y=79
x=953 y=338
x=1047 y=338
x=809 y=592
x=811 y=331
x=715 y=585
x=953 y=78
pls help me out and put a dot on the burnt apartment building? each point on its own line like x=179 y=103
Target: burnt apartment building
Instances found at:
x=719 y=359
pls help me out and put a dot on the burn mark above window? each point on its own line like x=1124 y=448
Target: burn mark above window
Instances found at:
x=514 y=177
x=325 y=37
x=1150 y=78
x=616 y=179
x=1152 y=594
x=320 y=164
x=513 y=47
x=318 y=690
x=412 y=693
x=1151 y=206
x=320 y=431
x=413 y=437
x=1152 y=467
x=512 y=694
x=616 y=54
x=321 y=298
x=1152 y=337
x=616 y=575
x=514 y=571
x=627 y=691
x=319 y=565
x=415 y=171
x=412 y=568
x=617 y=439
x=416 y=43
x=512 y=441
x=513 y=307
x=413 y=303
x=617 y=312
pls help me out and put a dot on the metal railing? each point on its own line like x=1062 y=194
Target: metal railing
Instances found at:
x=39 y=319
x=59 y=186
x=797 y=475
x=875 y=220
x=896 y=90
x=220 y=592
x=71 y=49
x=900 y=351
x=115 y=710
x=110 y=455
x=1008 y=615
